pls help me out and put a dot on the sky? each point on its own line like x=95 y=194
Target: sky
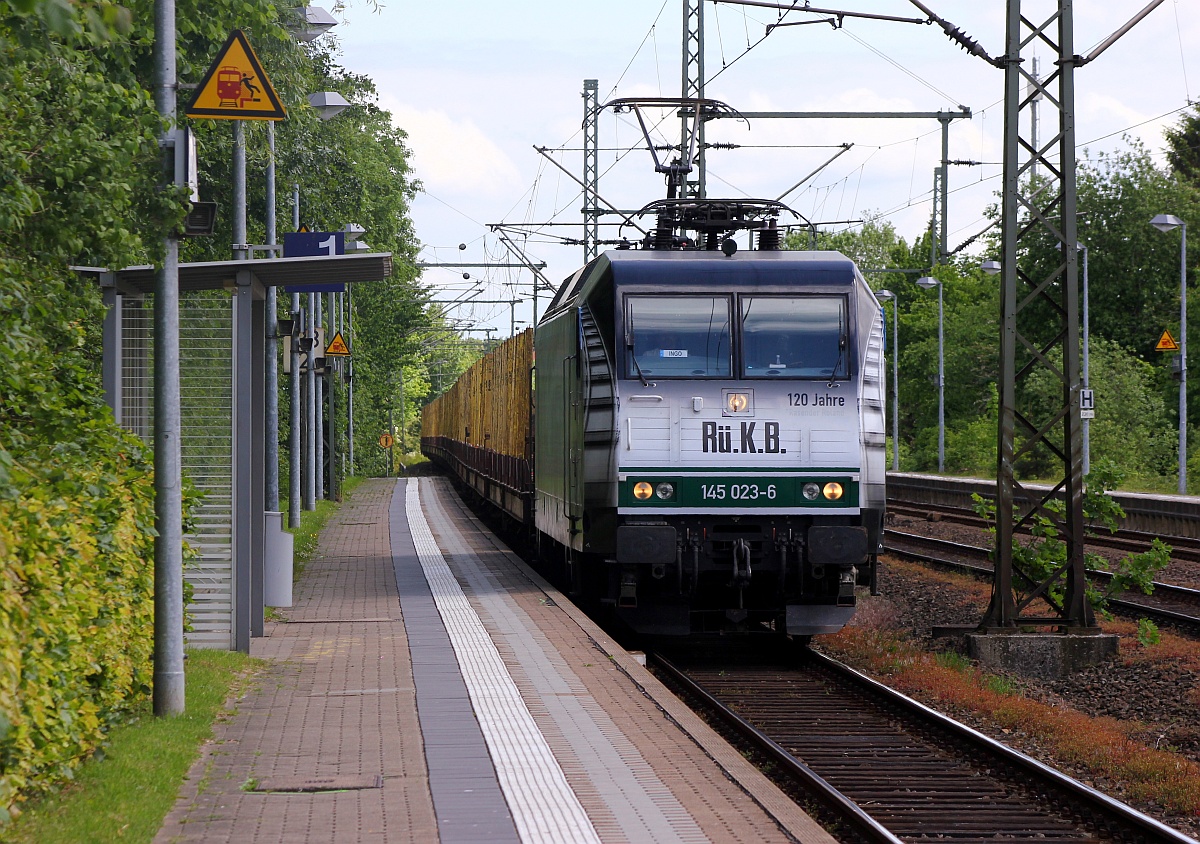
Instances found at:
x=478 y=85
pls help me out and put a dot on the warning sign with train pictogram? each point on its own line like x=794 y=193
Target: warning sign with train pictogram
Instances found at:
x=1166 y=343
x=236 y=87
x=337 y=347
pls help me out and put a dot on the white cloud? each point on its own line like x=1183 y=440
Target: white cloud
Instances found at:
x=455 y=156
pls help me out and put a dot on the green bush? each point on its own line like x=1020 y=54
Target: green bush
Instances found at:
x=76 y=540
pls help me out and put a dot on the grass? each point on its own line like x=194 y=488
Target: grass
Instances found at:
x=124 y=794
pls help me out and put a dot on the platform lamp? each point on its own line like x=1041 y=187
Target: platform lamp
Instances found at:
x=887 y=295
x=352 y=233
x=329 y=104
x=311 y=23
x=1165 y=223
x=308 y=24
x=928 y=283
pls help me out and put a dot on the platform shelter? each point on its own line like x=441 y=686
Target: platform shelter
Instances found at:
x=224 y=340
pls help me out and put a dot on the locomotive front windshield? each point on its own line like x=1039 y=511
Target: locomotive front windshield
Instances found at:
x=794 y=337
x=680 y=336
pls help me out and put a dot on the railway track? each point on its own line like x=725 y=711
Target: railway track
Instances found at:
x=889 y=769
x=1183 y=548
x=1178 y=606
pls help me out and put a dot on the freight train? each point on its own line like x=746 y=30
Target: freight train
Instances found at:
x=693 y=437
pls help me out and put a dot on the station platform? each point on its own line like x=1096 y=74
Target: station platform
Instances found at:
x=427 y=686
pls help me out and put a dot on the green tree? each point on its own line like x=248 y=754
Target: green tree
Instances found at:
x=1183 y=147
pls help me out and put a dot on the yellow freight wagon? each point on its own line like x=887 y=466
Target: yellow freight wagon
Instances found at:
x=480 y=429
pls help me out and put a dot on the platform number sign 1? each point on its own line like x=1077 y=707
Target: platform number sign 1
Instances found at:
x=305 y=244
x=1087 y=404
x=313 y=244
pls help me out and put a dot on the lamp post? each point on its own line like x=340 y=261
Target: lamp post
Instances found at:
x=310 y=23
x=886 y=295
x=1165 y=223
x=1087 y=434
x=929 y=282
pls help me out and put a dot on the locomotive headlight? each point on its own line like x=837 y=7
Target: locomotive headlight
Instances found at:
x=737 y=402
x=811 y=491
x=665 y=490
x=833 y=491
x=642 y=490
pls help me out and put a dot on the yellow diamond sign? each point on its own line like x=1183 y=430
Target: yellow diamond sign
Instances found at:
x=235 y=87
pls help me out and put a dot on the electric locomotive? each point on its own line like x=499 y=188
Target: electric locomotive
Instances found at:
x=709 y=437
x=708 y=443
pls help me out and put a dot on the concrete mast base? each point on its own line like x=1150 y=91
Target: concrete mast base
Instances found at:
x=1045 y=656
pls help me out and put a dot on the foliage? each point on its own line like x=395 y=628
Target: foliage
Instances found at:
x=1133 y=430
x=1183 y=147
x=1037 y=558
x=1133 y=297
x=125 y=795
x=76 y=530
x=1148 y=633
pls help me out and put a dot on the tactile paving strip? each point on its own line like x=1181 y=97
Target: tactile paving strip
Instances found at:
x=639 y=806
x=544 y=807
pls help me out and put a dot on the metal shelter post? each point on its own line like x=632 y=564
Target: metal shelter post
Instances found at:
x=248 y=450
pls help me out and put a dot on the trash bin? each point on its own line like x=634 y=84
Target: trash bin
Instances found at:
x=277 y=568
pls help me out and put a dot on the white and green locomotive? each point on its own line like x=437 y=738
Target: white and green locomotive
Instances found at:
x=708 y=438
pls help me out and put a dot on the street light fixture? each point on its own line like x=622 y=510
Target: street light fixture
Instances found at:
x=887 y=295
x=328 y=104
x=991 y=267
x=352 y=232
x=928 y=283
x=1165 y=223
x=311 y=23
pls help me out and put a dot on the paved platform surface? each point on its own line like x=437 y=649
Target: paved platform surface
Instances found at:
x=428 y=687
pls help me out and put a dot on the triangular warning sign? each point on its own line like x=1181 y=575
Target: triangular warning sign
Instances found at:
x=235 y=87
x=337 y=347
x=1166 y=343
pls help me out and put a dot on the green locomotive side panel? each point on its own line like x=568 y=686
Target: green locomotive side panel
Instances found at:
x=556 y=471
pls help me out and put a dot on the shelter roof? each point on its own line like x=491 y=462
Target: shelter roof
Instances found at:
x=270 y=272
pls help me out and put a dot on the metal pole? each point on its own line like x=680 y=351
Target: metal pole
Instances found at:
x=591 y=173
x=1087 y=440
x=239 y=191
x=943 y=232
x=1183 y=360
x=350 y=378
x=271 y=374
x=169 y=696
x=294 y=447
x=941 y=387
x=310 y=410
x=896 y=384
x=330 y=376
x=318 y=405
